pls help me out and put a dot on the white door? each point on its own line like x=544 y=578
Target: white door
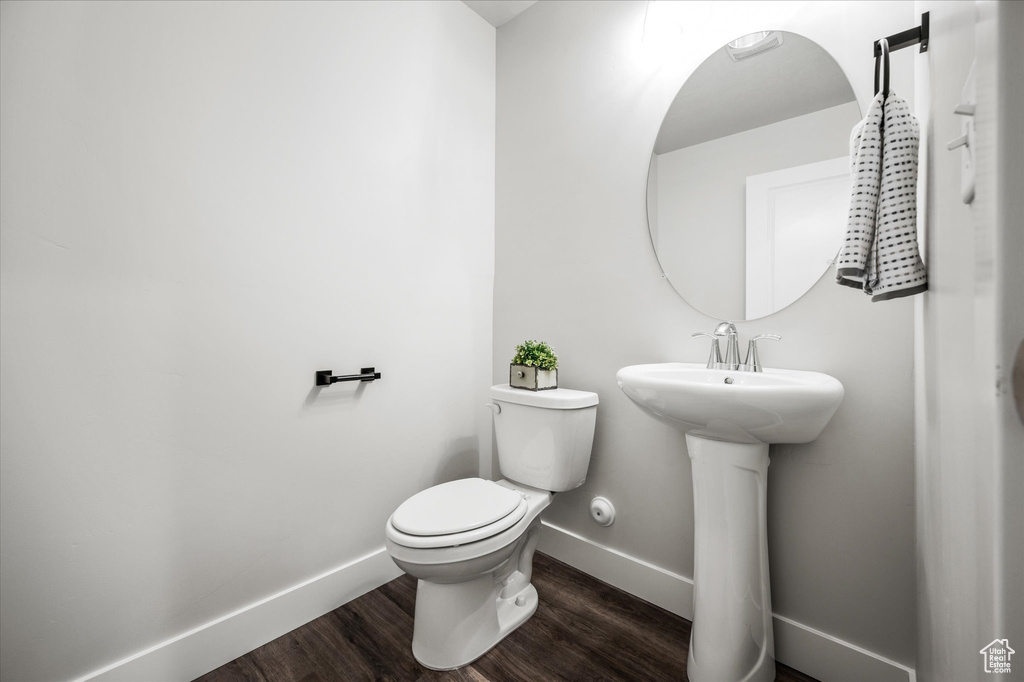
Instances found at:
x=795 y=222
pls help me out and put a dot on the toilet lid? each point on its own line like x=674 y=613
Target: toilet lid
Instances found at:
x=456 y=507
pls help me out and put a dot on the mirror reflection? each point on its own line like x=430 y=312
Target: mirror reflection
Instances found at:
x=749 y=180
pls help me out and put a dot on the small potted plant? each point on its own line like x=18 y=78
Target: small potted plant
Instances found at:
x=534 y=367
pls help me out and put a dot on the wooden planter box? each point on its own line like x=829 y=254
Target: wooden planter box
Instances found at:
x=531 y=378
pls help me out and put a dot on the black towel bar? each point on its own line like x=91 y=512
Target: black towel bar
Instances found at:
x=912 y=36
x=325 y=377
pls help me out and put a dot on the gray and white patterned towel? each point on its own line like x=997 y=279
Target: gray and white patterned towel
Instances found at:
x=880 y=253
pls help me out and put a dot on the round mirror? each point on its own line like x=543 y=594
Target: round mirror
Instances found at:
x=749 y=181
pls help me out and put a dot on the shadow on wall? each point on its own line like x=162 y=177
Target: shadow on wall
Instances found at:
x=461 y=460
x=315 y=399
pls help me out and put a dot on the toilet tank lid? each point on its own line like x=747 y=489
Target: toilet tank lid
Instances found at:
x=552 y=399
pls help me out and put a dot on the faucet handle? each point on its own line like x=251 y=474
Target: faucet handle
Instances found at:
x=753 y=362
x=715 y=359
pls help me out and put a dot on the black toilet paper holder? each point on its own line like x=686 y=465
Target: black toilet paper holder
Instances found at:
x=325 y=377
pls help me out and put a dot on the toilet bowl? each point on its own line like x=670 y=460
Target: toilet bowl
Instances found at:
x=471 y=593
x=470 y=542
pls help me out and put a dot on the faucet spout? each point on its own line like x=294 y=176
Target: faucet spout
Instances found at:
x=732 y=347
x=725 y=328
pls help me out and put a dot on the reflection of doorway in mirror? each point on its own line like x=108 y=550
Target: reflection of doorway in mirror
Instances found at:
x=795 y=220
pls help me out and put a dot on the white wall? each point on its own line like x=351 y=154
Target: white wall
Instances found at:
x=579 y=107
x=202 y=204
x=701 y=211
x=970 y=444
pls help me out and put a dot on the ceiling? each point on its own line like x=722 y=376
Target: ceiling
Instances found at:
x=723 y=97
x=497 y=12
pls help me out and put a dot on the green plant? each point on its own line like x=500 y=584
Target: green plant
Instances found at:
x=536 y=354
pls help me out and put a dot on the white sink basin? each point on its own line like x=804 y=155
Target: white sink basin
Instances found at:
x=774 y=406
x=729 y=418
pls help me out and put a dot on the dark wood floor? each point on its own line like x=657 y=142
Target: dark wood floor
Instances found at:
x=583 y=630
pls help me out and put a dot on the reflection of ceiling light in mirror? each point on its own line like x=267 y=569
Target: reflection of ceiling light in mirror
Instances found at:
x=753 y=44
x=749 y=40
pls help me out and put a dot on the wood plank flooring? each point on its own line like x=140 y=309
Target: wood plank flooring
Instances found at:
x=583 y=630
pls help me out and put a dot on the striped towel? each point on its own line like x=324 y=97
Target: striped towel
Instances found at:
x=880 y=253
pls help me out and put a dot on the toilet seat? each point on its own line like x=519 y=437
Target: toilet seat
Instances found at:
x=455 y=513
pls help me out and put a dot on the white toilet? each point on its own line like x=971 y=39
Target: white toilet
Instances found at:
x=470 y=542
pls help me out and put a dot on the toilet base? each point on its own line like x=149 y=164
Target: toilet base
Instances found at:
x=458 y=622
x=456 y=636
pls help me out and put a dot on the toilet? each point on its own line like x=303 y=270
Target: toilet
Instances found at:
x=470 y=542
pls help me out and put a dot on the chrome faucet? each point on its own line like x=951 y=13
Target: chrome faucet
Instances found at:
x=727 y=330
x=732 y=344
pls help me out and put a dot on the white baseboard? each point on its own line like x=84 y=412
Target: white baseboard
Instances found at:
x=831 y=659
x=668 y=590
x=810 y=651
x=202 y=649
x=209 y=646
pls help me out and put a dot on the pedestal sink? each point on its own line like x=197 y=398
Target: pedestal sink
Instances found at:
x=730 y=418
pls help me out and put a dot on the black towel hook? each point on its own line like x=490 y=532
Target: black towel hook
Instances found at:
x=882 y=63
x=918 y=35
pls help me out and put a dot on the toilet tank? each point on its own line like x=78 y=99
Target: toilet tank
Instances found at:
x=544 y=438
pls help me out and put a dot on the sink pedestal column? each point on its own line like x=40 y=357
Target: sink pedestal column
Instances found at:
x=732 y=635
